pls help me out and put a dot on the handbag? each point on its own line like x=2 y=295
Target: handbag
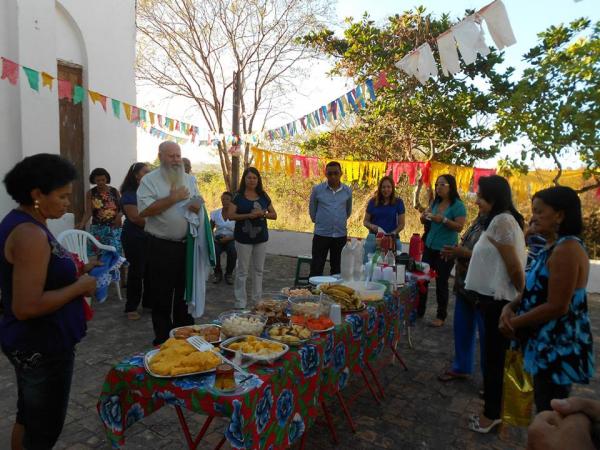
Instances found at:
x=517 y=391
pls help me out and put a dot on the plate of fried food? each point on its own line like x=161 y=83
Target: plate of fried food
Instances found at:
x=274 y=307
x=256 y=348
x=209 y=332
x=290 y=334
x=178 y=358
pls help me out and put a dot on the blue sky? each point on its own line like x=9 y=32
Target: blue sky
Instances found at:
x=528 y=18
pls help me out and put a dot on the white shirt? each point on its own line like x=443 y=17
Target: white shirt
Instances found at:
x=487 y=274
x=222 y=227
x=171 y=223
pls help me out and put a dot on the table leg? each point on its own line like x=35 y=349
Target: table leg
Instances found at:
x=220 y=444
x=376 y=379
x=346 y=412
x=329 y=422
x=192 y=443
x=397 y=355
x=368 y=383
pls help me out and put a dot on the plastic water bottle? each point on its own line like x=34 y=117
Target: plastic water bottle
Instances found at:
x=347 y=263
x=390 y=259
x=359 y=252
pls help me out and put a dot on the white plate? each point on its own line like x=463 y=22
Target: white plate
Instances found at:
x=204 y=325
x=148 y=357
x=315 y=281
x=271 y=357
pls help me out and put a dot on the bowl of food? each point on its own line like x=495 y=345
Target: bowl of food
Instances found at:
x=256 y=348
x=290 y=334
x=309 y=305
x=296 y=292
x=242 y=323
x=367 y=291
x=209 y=332
x=274 y=307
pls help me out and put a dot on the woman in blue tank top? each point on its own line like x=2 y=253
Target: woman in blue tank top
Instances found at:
x=42 y=298
x=551 y=318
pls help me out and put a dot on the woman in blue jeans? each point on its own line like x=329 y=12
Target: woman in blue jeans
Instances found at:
x=42 y=298
x=467 y=316
x=385 y=213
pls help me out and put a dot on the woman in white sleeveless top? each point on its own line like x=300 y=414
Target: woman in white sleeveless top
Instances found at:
x=496 y=274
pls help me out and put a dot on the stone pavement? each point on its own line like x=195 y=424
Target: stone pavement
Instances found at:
x=419 y=412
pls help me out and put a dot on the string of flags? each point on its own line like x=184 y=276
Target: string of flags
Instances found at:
x=351 y=102
x=370 y=172
x=156 y=124
x=466 y=37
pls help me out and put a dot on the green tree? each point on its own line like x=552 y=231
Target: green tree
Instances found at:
x=555 y=106
x=449 y=119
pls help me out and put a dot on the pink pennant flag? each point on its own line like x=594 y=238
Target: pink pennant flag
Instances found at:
x=135 y=114
x=313 y=164
x=10 y=71
x=65 y=90
x=478 y=173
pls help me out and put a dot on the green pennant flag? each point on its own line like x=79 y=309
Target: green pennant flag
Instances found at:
x=33 y=76
x=78 y=94
x=116 y=107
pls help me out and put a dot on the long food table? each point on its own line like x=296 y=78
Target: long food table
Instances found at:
x=273 y=410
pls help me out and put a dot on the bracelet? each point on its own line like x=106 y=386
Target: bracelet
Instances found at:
x=445 y=220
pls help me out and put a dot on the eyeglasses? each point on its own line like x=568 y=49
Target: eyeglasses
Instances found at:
x=332 y=173
x=441 y=184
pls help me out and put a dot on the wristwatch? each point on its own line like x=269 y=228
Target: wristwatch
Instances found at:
x=445 y=220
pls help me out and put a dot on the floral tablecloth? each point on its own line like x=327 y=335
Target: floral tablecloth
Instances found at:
x=272 y=411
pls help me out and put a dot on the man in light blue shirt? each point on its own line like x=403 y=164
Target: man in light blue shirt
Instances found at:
x=329 y=207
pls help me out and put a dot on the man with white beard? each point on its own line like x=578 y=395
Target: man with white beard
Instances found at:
x=162 y=200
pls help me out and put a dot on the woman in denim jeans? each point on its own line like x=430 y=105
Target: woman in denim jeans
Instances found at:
x=42 y=298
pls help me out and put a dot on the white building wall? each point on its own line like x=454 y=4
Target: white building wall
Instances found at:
x=100 y=36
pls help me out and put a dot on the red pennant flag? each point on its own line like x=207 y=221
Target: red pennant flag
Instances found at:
x=381 y=81
x=135 y=114
x=10 y=71
x=478 y=173
x=65 y=90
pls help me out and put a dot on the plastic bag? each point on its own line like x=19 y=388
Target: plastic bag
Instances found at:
x=517 y=391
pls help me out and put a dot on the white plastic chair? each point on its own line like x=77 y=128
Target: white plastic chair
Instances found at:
x=76 y=242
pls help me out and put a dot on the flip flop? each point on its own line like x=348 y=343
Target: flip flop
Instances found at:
x=436 y=323
x=449 y=375
x=474 y=426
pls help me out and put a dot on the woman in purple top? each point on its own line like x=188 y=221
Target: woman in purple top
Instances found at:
x=385 y=213
x=42 y=298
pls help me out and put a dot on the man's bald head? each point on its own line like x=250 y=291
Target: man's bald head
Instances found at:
x=169 y=153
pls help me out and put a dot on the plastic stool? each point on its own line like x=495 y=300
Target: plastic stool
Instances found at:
x=302 y=259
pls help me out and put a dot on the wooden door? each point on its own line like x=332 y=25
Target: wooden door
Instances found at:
x=71 y=136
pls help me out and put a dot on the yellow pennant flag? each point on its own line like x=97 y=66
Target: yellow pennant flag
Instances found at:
x=462 y=174
x=290 y=166
x=127 y=109
x=47 y=80
x=152 y=117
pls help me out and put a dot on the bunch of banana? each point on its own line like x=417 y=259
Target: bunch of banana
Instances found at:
x=345 y=296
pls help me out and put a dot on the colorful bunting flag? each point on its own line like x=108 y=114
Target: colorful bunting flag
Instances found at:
x=78 y=94
x=116 y=107
x=47 y=80
x=127 y=110
x=65 y=90
x=10 y=71
x=97 y=97
x=33 y=76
